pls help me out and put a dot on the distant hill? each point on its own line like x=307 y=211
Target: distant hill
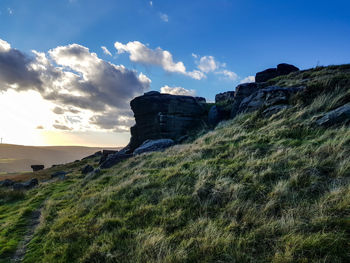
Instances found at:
x=19 y=158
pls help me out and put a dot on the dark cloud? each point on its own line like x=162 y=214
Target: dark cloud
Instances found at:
x=114 y=120
x=15 y=69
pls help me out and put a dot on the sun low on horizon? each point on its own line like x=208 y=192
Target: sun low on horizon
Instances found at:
x=69 y=68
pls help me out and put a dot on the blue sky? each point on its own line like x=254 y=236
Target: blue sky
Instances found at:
x=242 y=37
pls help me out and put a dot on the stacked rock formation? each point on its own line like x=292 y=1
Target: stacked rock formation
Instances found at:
x=164 y=116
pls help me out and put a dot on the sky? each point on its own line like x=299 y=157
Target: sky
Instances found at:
x=69 y=68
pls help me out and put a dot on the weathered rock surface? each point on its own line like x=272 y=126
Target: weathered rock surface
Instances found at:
x=161 y=116
x=87 y=169
x=115 y=158
x=338 y=116
x=242 y=91
x=26 y=185
x=37 y=167
x=154 y=145
x=282 y=69
x=267 y=97
x=225 y=97
x=6 y=183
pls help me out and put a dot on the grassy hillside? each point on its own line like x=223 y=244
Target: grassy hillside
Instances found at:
x=253 y=190
x=19 y=158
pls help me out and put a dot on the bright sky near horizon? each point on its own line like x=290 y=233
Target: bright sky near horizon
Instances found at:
x=69 y=68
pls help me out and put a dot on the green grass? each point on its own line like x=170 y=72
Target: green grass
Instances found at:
x=252 y=190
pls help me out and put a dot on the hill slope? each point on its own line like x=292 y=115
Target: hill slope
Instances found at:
x=253 y=190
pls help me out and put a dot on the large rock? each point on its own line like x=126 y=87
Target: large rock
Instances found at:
x=26 y=185
x=225 y=97
x=282 y=69
x=160 y=116
x=242 y=91
x=37 y=167
x=154 y=145
x=268 y=97
x=338 y=116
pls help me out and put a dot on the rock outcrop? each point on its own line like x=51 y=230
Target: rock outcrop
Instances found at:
x=154 y=145
x=282 y=69
x=164 y=116
x=242 y=91
x=338 y=116
x=268 y=97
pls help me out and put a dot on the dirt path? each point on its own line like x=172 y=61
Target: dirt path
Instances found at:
x=34 y=221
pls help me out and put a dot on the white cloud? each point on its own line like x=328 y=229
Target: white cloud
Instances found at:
x=75 y=80
x=151 y=3
x=230 y=75
x=140 y=53
x=106 y=51
x=10 y=11
x=177 y=91
x=248 y=79
x=207 y=64
x=164 y=17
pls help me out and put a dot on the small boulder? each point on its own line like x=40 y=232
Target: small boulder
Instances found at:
x=37 y=167
x=6 y=183
x=26 y=185
x=338 y=116
x=87 y=169
x=154 y=145
x=105 y=154
x=59 y=174
x=113 y=159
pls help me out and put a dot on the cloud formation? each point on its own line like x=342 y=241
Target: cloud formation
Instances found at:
x=16 y=70
x=140 y=53
x=164 y=17
x=208 y=64
x=73 y=78
x=106 y=51
x=177 y=91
